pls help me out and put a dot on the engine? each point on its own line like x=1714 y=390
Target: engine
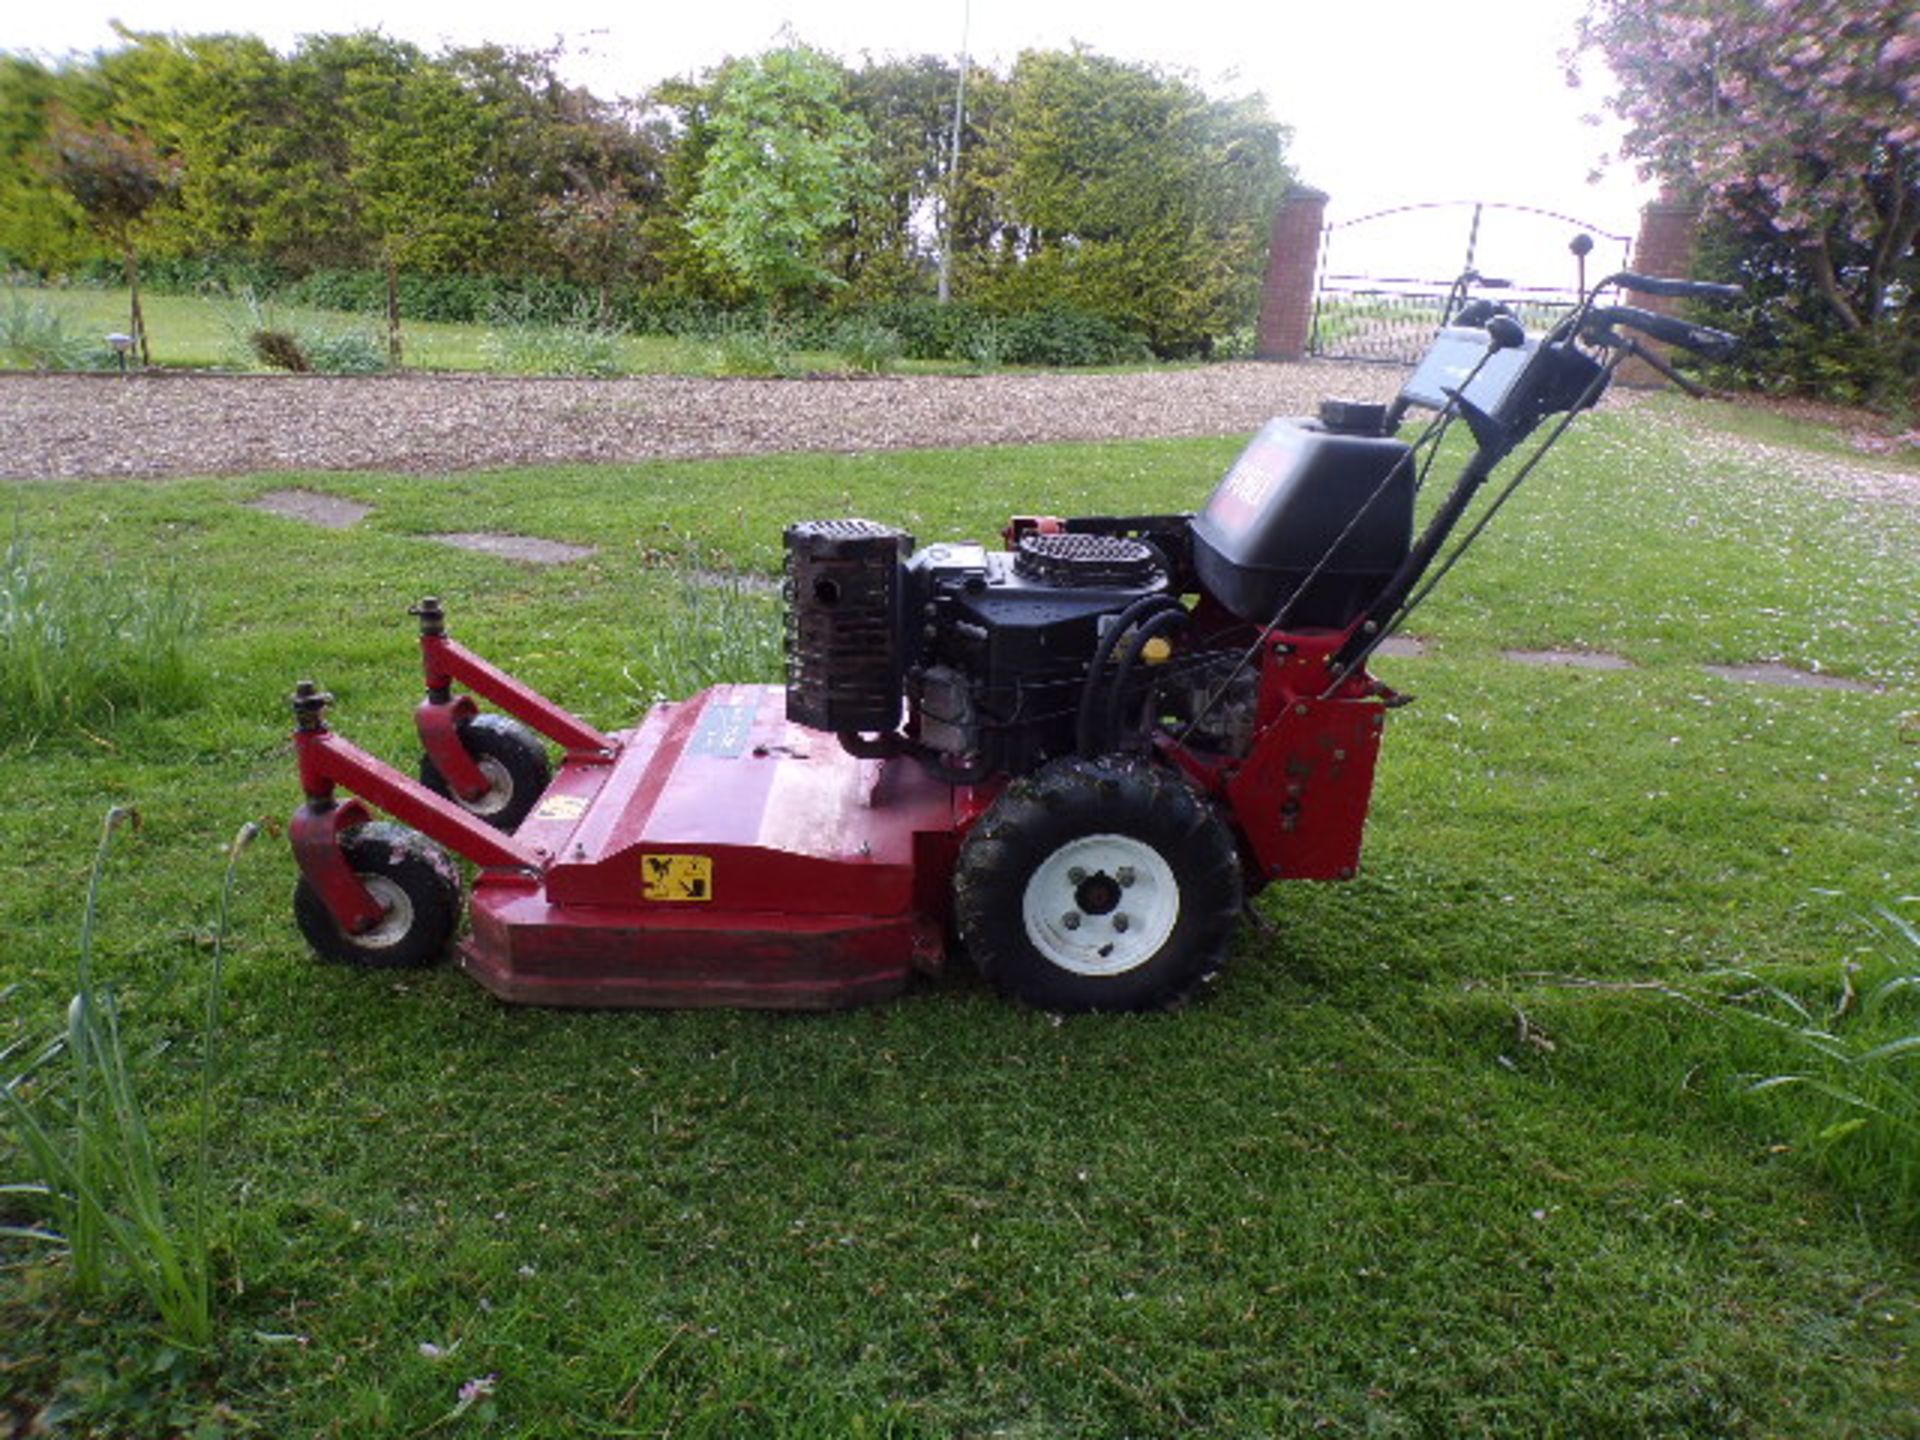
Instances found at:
x=1080 y=637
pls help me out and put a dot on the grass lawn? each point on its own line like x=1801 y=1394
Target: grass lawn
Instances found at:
x=202 y=332
x=1395 y=1176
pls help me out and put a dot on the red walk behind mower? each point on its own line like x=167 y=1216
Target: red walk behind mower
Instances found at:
x=1077 y=755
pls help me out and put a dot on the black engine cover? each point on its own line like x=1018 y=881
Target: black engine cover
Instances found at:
x=1022 y=642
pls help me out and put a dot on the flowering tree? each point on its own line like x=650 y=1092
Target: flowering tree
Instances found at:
x=1801 y=116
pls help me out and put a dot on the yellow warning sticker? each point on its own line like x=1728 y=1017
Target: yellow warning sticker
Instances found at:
x=561 y=807
x=677 y=877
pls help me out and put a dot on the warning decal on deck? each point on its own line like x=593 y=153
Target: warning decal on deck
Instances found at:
x=677 y=877
x=561 y=807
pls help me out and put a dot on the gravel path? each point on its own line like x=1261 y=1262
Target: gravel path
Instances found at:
x=179 y=424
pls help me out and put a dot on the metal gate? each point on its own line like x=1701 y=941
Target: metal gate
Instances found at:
x=1364 y=311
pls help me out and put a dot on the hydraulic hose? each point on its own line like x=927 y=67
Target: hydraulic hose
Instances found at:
x=1156 y=624
x=1085 y=733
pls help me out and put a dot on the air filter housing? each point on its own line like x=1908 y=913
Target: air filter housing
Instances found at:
x=844 y=643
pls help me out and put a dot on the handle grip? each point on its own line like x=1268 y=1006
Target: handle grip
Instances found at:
x=1714 y=344
x=1671 y=289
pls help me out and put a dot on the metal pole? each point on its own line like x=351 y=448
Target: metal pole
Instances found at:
x=945 y=286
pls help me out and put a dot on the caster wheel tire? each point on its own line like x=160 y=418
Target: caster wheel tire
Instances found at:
x=1098 y=885
x=413 y=878
x=513 y=759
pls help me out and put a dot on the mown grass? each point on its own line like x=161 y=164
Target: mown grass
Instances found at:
x=1437 y=1157
x=207 y=332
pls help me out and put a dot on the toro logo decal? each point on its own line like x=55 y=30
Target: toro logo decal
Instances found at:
x=676 y=877
x=1244 y=492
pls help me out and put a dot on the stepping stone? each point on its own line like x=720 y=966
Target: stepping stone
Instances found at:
x=1788 y=676
x=1573 y=659
x=1405 y=647
x=517 y=547
x=330 y=512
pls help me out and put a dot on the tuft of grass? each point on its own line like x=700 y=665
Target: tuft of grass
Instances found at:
x=35 y=335
x=1853 y=1092
x=748 y=349
x=81 y=1122
x=79 y=646
x=585 y=344
x=728 y=628
x=303 y=343
x=869 y=347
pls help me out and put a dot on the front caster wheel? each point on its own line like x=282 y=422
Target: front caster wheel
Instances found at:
x=511 y=757
x=416 y=884
x=1098 y=885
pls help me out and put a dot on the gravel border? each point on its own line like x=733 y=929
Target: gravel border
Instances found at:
x=160 y=423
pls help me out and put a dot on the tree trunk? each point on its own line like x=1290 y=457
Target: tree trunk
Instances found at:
x=393 y=312
x=1822 y=260
x=136 y=321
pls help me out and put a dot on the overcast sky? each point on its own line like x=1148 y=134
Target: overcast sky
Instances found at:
x=1391 y=102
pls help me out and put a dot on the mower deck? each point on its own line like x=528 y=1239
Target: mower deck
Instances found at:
x=724 y=857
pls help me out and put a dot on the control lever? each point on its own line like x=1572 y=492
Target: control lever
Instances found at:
x=1658 y=362
x=1671 y=289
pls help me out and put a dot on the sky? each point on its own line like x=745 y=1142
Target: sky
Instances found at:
x=1390 y=102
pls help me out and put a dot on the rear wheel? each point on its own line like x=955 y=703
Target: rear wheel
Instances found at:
x=1098 y=885
x=416 y=884
x=514 y=761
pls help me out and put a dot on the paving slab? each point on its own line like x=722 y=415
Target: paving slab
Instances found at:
x=330 y=512
x=530 y=548
x=1788 y=676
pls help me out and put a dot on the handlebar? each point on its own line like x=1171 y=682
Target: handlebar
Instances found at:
x=1671 y=289
x=1714 y=344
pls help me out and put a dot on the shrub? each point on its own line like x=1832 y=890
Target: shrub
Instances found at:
x=1066 y=337
x=77 y=646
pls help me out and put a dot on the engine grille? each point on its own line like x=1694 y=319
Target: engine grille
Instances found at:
x=843 y=624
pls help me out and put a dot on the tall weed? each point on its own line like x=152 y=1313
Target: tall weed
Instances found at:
x=749 y=348
x=728 y=630
x=1849 y=1082
x=81 y=1123
x=584 y=343
x=77 y=647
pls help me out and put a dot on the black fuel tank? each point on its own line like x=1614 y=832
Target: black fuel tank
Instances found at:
x=1293 y=495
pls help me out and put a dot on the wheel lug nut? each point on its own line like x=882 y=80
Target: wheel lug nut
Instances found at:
x=1120 y=923
x=1071 y=919
x=1076 y=875
x=1124 y=875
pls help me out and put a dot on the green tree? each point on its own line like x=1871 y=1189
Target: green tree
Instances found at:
x=1130 y=192
x=784 y=160
x=40 y=226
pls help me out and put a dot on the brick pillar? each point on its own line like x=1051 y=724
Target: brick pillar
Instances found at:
x=1293 y=263
x=1663 y=249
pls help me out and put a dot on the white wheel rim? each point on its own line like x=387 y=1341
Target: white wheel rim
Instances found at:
x=499 y=789
x=1101 y=905
x=397 y=921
